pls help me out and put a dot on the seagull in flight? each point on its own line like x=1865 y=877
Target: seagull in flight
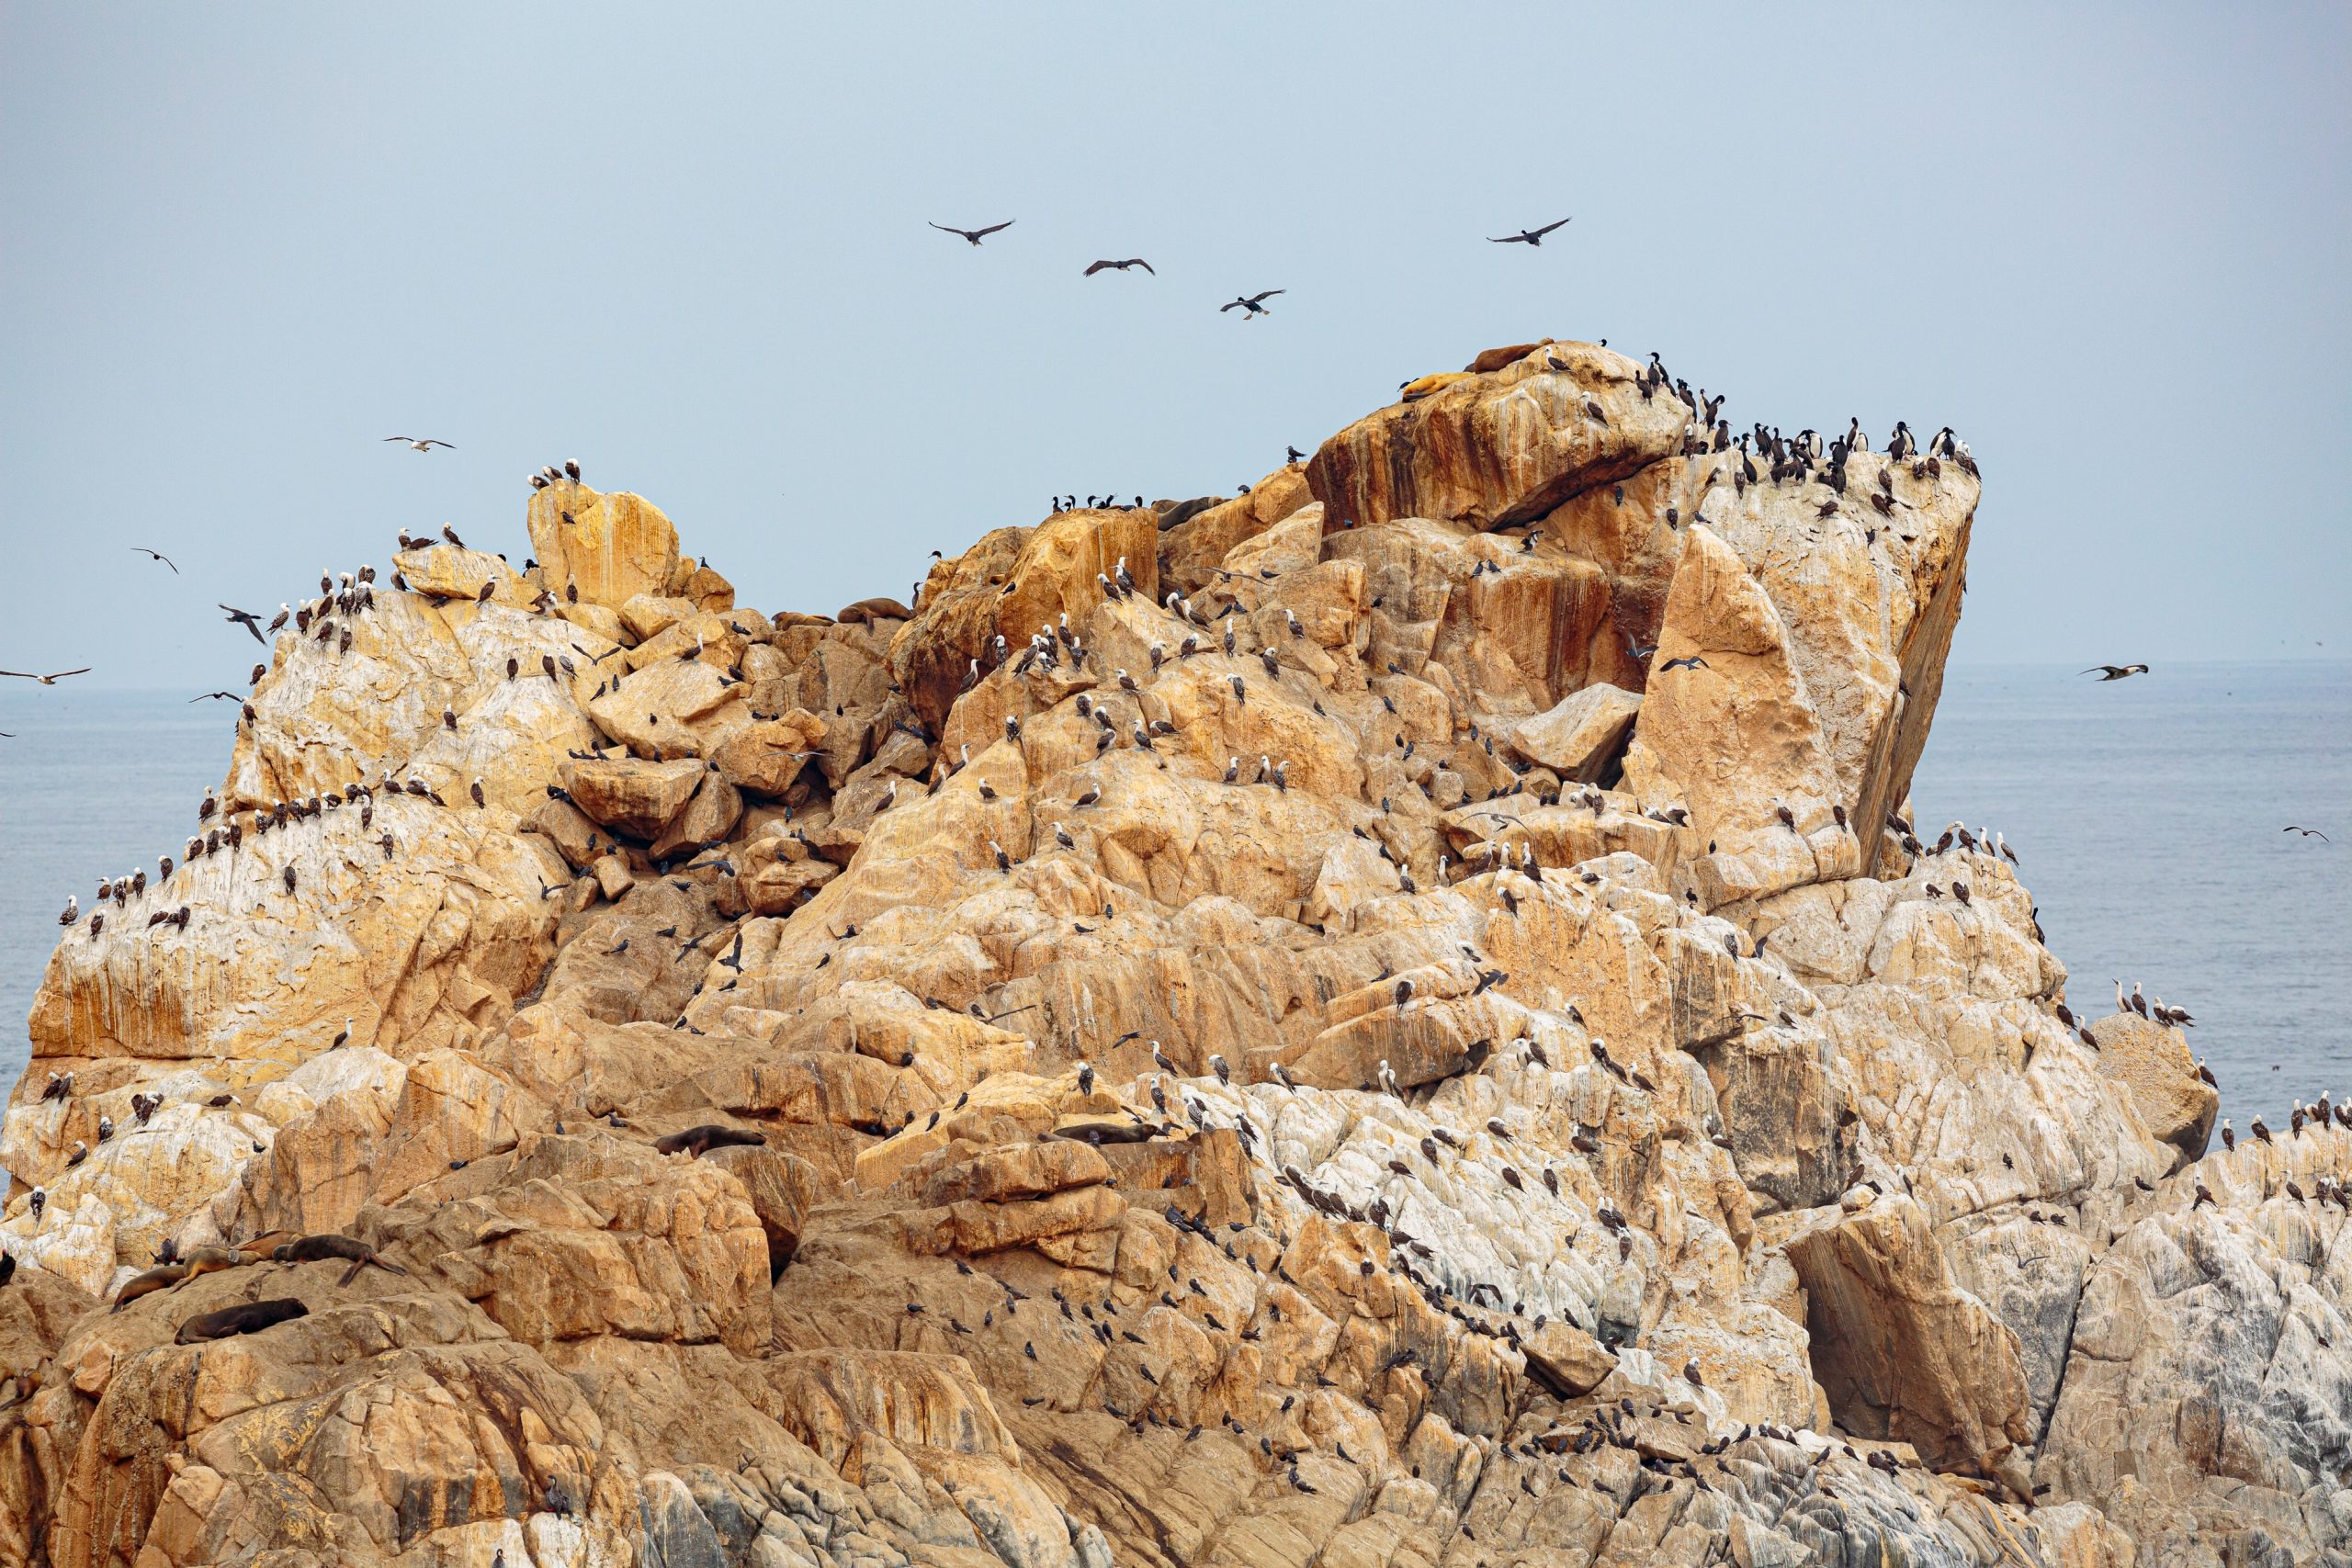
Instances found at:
x=2308 y=833
x=250 y=621
x=230 y=696
x=414 y=445
x=1254 y=304
x=1121 y=266
x=1693 y=663
x=158 y=555
x=975 y=236
x=2116 y=671
x=45 y=680
x=1527 y=236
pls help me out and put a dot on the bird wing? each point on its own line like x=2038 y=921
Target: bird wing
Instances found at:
x=62 y=674
x=994 y=227
x=1549 y=226
x=1507 y=240
x=1262 y=298
x=20 y=674
x=2096 y=668
x=396 y=438
x=440 y=444
x=1221 y=309
x=1139 y=260
x=1098 y=266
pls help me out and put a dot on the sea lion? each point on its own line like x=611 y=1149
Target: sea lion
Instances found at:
x=267 y=1244
x=155 y=1279
x=329 y=1243
x=212 y=1260
x=250 y=1319
x=700 y=1141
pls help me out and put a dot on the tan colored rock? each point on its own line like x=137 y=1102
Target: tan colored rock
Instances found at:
x=447 y=572
x=2154 y=1063
x=707 y=819
x=1735 y=737
x=763 y=758
x=610 y=548
x=648 y=615
x=1497 y=448
x=1567 y=1359
x=1189 y=549
x=1578 y=737
x=1901 y=1353
x=1083 y=1227
x=672 y=709
x=627 y=796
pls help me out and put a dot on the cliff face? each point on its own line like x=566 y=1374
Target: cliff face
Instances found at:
x=1327 y=1055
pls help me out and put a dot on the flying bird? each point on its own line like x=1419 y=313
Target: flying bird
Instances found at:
x=45 y=680
x=1693 y=663
x=414 y=445
x=252 y=622
x=1121 y=266
x=158 y=555
x=1252 y=304
x=1527 y=236
x=2117 y=672
x=2308 y=833
x=975 y=236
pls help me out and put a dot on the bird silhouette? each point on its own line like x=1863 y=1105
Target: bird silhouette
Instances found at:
x=974 y=236
x=1526 y=236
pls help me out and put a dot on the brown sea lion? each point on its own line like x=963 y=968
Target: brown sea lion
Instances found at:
x=212 y=1260
x=250 y=1319
x=155 y=1279
x=267 y=1244
x=700 y=1141
x=329 y=1243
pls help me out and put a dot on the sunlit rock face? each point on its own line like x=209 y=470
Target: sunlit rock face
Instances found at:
x=1397 y=1016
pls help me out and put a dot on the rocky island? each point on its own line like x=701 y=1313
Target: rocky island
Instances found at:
x=1404 y=1017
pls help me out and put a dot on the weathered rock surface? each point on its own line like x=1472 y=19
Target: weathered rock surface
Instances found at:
x=1315 y=1047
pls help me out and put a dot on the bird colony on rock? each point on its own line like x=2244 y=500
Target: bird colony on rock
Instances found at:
x=1397 y=1016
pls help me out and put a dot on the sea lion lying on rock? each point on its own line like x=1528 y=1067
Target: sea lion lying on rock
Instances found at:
x=267 y=1244
x=329 y=1244
x=250 y=1319
x=147 y=1284
x=700 y=1141
x=212 y=1260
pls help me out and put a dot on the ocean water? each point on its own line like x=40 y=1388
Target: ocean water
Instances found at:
x=2146 y=814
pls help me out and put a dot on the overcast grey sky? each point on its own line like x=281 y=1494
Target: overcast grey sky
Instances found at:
x=241 y=244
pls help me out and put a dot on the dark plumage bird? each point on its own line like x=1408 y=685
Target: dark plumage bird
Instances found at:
x=974 y=236
x=251 y=622
x=1251 y=304
x=1693 y=663
x=1120 y=266
x=1527 y=236
x=2116 y=671
x=158 y=555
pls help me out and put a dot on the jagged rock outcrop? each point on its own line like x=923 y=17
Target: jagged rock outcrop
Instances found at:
x=1398 y=1017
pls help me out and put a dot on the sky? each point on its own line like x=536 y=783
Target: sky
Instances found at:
x=687 y=245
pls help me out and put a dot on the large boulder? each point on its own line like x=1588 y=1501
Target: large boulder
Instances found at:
x=1499 y=447
x=607 y=548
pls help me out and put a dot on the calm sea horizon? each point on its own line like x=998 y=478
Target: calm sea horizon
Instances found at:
x=2146 y=815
